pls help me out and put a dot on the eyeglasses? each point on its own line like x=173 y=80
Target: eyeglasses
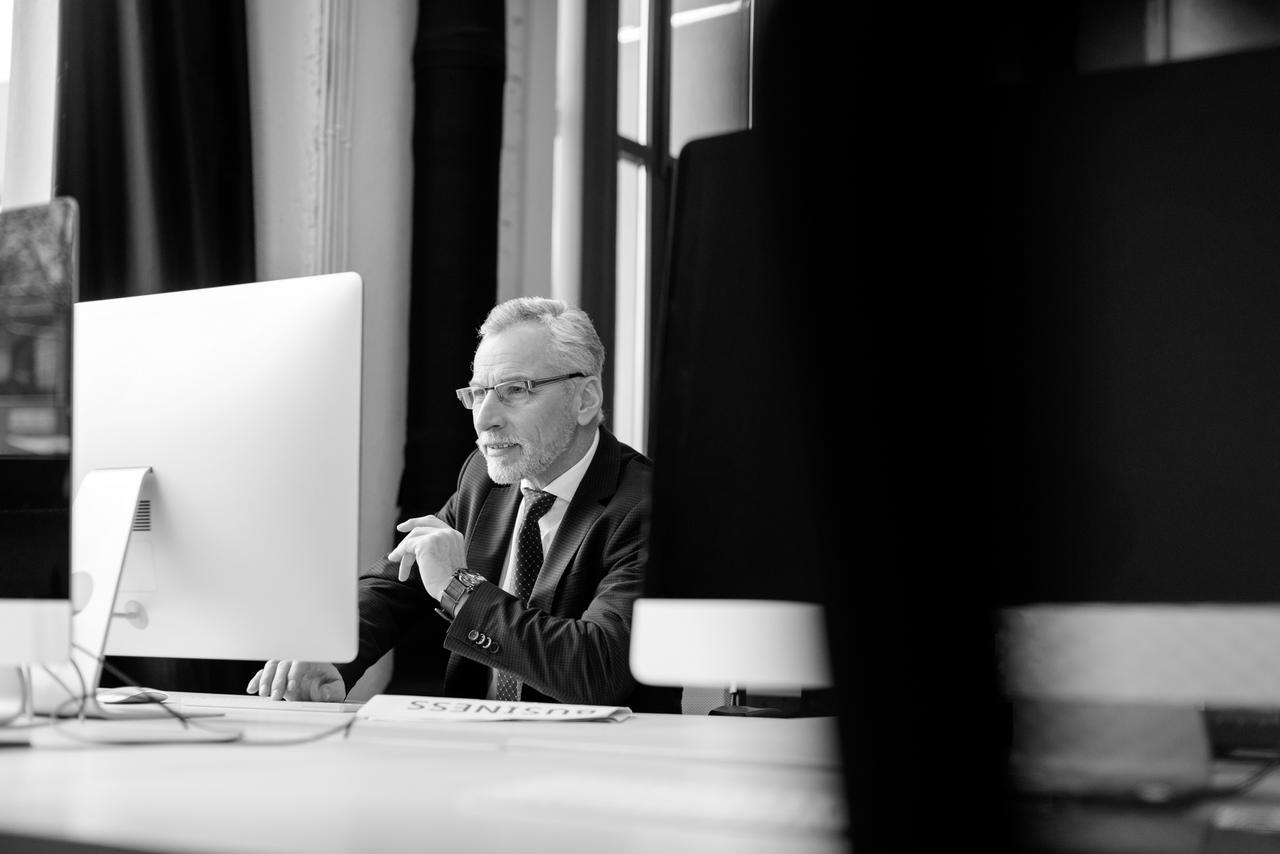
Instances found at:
x=509 y=393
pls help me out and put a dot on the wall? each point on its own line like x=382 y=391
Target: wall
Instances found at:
x=539 y=228
x=331 y=90
x=529 y=129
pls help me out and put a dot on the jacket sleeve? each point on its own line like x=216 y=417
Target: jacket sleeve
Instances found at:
x=571 y=659
x=388 y=608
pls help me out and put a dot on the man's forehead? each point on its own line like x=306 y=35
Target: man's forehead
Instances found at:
x=519 y=350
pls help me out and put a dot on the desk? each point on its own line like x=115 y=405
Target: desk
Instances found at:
x=449 y=787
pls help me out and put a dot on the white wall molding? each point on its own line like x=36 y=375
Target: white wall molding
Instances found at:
x=566 y=207
x=331 y=98
x=528 y=136
x=337 y=68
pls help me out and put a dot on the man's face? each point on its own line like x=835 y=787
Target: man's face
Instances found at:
x=522 y=440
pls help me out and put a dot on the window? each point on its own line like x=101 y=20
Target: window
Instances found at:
x=660 y=72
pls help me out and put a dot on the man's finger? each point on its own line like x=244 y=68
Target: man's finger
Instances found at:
x=429 y=521
x=252 y=687
x=295 y=682
x=281 y=680
x=265 y=675
x=405 y=545
x=406 y=564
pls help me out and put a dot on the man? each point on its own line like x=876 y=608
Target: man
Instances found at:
x=536 y=403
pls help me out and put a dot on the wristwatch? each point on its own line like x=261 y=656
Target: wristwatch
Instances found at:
x=464 y=581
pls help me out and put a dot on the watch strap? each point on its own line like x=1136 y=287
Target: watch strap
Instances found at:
x=455 y=593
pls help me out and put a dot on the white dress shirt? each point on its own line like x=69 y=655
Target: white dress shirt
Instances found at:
x=563 y=488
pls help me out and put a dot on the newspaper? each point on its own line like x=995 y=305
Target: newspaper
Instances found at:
x=406 y=707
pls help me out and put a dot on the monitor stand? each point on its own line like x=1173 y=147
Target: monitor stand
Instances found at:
x=66 y=694
x=102 y=516
x=736 y=707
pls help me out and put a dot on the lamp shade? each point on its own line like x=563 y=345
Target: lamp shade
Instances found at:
x=713 y=643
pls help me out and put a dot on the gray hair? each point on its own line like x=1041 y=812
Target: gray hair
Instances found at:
x=573 y=336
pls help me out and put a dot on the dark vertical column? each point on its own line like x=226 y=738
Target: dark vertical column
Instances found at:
x=459 y=72
x=599 y=179
x=871 y=122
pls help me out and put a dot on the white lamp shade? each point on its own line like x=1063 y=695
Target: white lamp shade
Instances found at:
x=715 y=643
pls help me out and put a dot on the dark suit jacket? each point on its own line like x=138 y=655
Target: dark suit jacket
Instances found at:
x=571 y=643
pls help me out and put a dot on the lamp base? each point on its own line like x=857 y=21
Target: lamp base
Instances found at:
x=747 y=711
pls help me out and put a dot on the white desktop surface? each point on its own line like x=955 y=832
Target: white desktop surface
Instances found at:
x=530 y=786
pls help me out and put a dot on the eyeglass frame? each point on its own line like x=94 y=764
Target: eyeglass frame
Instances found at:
x=464 y=394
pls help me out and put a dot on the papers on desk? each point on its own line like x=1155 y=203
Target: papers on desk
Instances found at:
x=405 y=707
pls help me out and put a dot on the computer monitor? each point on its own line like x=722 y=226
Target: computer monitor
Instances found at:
x=217 y=434
x=38 y=263
x=1133 y=314
x=755 y=636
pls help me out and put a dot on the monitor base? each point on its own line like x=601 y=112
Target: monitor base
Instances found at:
x=747 y=711
x=91 y=732
x=102 y=515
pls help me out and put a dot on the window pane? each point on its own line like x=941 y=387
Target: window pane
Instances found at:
x=631 y=320
x=633 y=76
x=6 y=54
x=710 y=68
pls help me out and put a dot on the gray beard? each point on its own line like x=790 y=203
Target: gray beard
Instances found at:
x=531 y=465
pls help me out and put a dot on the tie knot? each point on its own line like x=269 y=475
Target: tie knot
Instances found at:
x=539 y=503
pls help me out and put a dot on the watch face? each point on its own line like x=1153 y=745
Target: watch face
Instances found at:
x=471 y=579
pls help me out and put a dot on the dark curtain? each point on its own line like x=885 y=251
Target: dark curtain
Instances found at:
x=870 y=122
x=153 y=143
x=459 y=71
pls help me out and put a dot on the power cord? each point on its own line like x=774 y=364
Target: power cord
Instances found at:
x=16 y=720
x=76 y=704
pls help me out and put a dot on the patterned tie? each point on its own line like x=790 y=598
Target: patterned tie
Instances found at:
x=528 y=565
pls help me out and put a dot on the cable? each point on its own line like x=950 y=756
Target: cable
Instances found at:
x=344 y=728
x=23 y=691
x=129 y=680
x=186 y=721
x=58 y=716
x=67 y=689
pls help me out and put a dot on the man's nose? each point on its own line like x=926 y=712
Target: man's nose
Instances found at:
x=488 y=412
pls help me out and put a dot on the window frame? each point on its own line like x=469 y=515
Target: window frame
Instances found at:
x=603 y=148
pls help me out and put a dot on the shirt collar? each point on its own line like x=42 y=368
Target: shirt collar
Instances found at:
x=566 y=484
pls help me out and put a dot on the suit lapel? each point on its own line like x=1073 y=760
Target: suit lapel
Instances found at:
x=588 y=503
x=491 y=533
x=486 y=552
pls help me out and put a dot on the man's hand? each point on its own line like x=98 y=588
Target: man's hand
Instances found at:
x=437 y=549
x=298 y=680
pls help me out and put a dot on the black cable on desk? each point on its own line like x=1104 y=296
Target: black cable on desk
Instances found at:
x=189 y=721
x=186 y=721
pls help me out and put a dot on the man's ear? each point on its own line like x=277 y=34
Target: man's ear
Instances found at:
x=590 y=401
